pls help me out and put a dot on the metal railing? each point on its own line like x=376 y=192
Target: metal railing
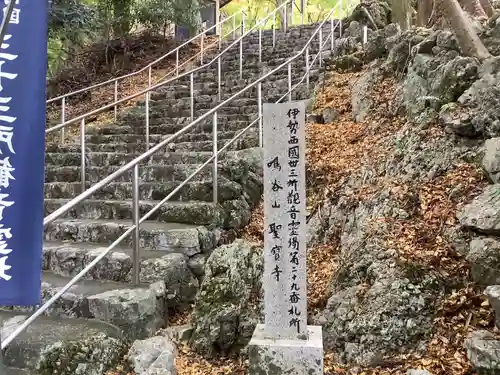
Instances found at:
x=134 y=164
x=190 y=73
x=178 y=64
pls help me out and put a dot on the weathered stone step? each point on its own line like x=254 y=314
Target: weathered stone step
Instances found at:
x=69 y=258
x=137 y=115
x=201 y=190
x=247 y=140
x=147 y=173
x=96 y=299
x=190 y=212
x=169 y=237
x=26 y=350
x=16 y=371
x=119 y=159
x=168 y=127
x=156 y=138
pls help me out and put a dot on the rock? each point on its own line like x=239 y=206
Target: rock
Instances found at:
x=491 y=158
x=362 y=96
x=349 y=63
x=148 y=356
x=484 y=259
x=181 y=285
x=456 y=120
x=483 y=213
x=483 y=351
x=179 y=334
x=138 y=312
x=330 y=115
x=227 y=308
x=493 y=294
x=379 y=11
x=417 y=372
x=482 y=100
x=92 y=356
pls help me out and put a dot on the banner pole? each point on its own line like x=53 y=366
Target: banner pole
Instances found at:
x=3 y=32
x=6 y=19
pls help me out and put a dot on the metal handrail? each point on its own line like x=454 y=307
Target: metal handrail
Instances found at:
x=134 y=164
x=185 y=74
x=149 y=66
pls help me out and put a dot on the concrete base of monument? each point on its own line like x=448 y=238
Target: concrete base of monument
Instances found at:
x=290 y=357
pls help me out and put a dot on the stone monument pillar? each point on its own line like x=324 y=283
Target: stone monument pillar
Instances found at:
x=285 y=344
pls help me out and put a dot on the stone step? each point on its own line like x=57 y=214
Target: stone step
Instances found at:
x=67 y=259
x=17 y=371
x=147 y=173
x=158 y=137
x=248 y=140
x=137 y=115
x=48 y=332
x=97 y=299
x=189 y=212
x=168 y=237
x=201 y=190
x=94 y=159
x=168 y=127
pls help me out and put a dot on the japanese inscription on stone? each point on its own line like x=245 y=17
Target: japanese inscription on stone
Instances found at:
x=285 y=295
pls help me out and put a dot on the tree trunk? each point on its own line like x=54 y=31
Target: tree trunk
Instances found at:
x=401 y=13
x=469 y=42
x=474 y=8
x=488 y=9
x=424 y=11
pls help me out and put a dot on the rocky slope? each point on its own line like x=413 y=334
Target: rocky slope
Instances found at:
x=403 y=181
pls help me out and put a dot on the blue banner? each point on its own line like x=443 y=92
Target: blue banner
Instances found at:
x=23 y=65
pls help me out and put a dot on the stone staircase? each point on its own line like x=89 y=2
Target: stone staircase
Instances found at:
x=177 y=239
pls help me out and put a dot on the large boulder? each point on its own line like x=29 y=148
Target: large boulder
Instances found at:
x=484 y=259
x=153 y=356
x=483 y=351
x=228 y=305
x=483 y=213
x=93 y=355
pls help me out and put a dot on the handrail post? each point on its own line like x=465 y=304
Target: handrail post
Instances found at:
x=215 y=161
x=136 y=216
x=274 y=29
x=63 y=117
x=241 y=58
x=234 y=27
x=340 y=28
x=307 y=68
x=2 y=367
x=147 y=120
x=285 y=22
x=201 y=47
x=320 y=37
x=292 y=3
x=177 y=62
x=116 y=99
x=289 y=81
x=82 y=154
x=259 y=99
x=260 y=44
x=332 y=31
x=191 y=94
x=219 y=78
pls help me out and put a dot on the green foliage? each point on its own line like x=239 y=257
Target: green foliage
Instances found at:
x=156 y=15
x=75 y=23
